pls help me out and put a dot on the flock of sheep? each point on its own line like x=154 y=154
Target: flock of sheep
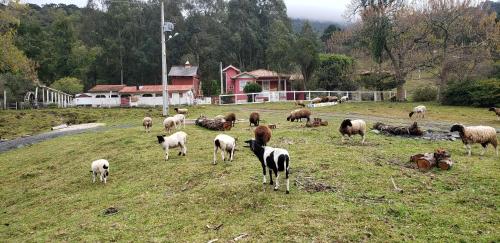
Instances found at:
x=277 y=160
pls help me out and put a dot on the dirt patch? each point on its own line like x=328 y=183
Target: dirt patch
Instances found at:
x=309 y=184
x=110 y=211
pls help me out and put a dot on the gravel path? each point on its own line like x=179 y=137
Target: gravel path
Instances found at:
x=76 y=129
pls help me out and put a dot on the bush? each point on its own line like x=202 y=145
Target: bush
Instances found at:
x=68 y=85
x=335 y=72
x=252 y=88
x=425 y=94
x=473 y=93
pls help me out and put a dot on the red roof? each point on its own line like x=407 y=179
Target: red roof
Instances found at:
x=106 y=88
x=262 y=73
x=157 y=89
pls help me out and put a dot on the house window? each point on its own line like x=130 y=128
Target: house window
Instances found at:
x=266 y=85
x=114 y=96
x=243 y=83
x=100 y=96
x=180 y=95
x=147 y=95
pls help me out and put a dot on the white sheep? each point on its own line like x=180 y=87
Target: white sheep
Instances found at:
x=353 y=127
x=100 y=166
x=180 y=119
x=476 y=134
x=147 y=122
x=168 y=123
x=181 y=111
x=225 y=143
x=178 y=139
x=344 y=98
x=419 y=111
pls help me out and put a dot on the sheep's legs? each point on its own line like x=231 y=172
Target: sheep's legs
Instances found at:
x=232 y=153
x=223 y=153
x=287 y=181
x=485 y=146
x=166 y=154
x=264 y=181
x=271 y=177
x=93 y=177
x=468 y=149
x=184 y=150
x=215 y=155
x=363 y=141
x=277 y=184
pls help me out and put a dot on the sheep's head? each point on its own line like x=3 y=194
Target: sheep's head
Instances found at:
x=161 y=139
x=176 y=109
x=411 y=114
x=346 y=123
x=457 y=128
x=492 y=109
x=254 y=145
x=289 y=118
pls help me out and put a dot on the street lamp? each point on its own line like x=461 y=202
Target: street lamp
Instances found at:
x=165 y=27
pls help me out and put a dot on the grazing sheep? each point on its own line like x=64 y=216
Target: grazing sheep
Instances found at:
x=263 y=134
x=225 y=143
x=231 y=117
x=300 y=103
x=254 y=119
x=298 y=115
x=316 y=100
x=168 y=123
x=419 y=110
x=100 y=166
x=147 y=122
x=353 y=127
x=180 y=119
x=344 y=98
x=178 y=139
x=276 y=159
x=497 y=111
x=477 y=134
x=332 y=98
x=181 y=111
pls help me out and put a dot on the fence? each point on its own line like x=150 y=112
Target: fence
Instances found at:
x=283 y=96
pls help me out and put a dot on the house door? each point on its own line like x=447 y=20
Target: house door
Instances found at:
x=175 y=99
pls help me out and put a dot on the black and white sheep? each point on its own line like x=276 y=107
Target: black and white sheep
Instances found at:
x=496 y=110
x=147 y=122
x=100 y=166
x=181 y=111
x=254 y=119
x=419 y=111
x=298 y=115
x=344 y=98
x=226 y=144
x=178 y=139
x=477 y=134
x=275 y=159
x=349 y=128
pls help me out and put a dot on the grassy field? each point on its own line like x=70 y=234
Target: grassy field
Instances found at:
x=46 y=192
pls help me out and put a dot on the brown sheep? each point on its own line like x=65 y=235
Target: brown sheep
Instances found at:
x=254 y=119
x=263 y=134
x=298 y=115
x=231 y=117
x=497 y=111
x=316 y=100
x=332 y=98
x=300 y=103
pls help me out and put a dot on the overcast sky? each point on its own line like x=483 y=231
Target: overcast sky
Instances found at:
x=324 y=10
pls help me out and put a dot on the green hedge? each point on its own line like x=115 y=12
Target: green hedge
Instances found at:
x=483 y=93
x=425 y=94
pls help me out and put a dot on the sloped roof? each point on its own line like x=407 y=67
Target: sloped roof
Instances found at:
x=231 y=66
x=106 y=88
x=263 y=73
x=183 y=71
x=157 y=89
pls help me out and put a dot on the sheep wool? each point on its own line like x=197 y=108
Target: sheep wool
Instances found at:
x=496 y=110
x=298 y=115
x=353 y=127
x=178 y=139
x=100 y=166
x=168 y=123
x=225 y=143
x=147 y=122
x=180 y=119
x=419 y=111
x=181 y=111
x=231 y=117
x=483 y=135
x=263 y=134
x=254 y=119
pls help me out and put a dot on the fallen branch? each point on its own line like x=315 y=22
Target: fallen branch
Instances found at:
x=211 y=241
x=396 y=187
x=214 y=227
x=239 y=237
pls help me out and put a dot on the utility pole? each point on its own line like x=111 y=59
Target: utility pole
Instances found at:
x=221 y=83
x=164 y=64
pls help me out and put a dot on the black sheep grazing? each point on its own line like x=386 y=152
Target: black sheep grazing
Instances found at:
x=254 y=119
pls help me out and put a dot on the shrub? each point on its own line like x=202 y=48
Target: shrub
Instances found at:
x=68 y=85
x=335 y=72
x=252 y=88
x=425 y=94
x=473 y=93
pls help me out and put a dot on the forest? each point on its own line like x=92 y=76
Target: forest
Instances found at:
x=383 y=44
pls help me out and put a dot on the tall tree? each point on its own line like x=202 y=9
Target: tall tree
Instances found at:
x=306 y=52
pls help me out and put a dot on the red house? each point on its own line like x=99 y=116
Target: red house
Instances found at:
x=184 y=76
x=270 y=81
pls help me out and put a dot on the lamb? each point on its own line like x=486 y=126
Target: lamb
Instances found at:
x=169 y=122
x=254 y=118
x=147 y=122
x=263 y=134
x=344 y=98
x=180 y=119
x=497 y=111
x=178 y=139
x=100 y=166
x=231 y=117
x=353 y=127
x=225 y=143
x=476 y=134
x=181 y=111
x=276 y=159
x=298 y=115
x=300 y=103
x=419 y=110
